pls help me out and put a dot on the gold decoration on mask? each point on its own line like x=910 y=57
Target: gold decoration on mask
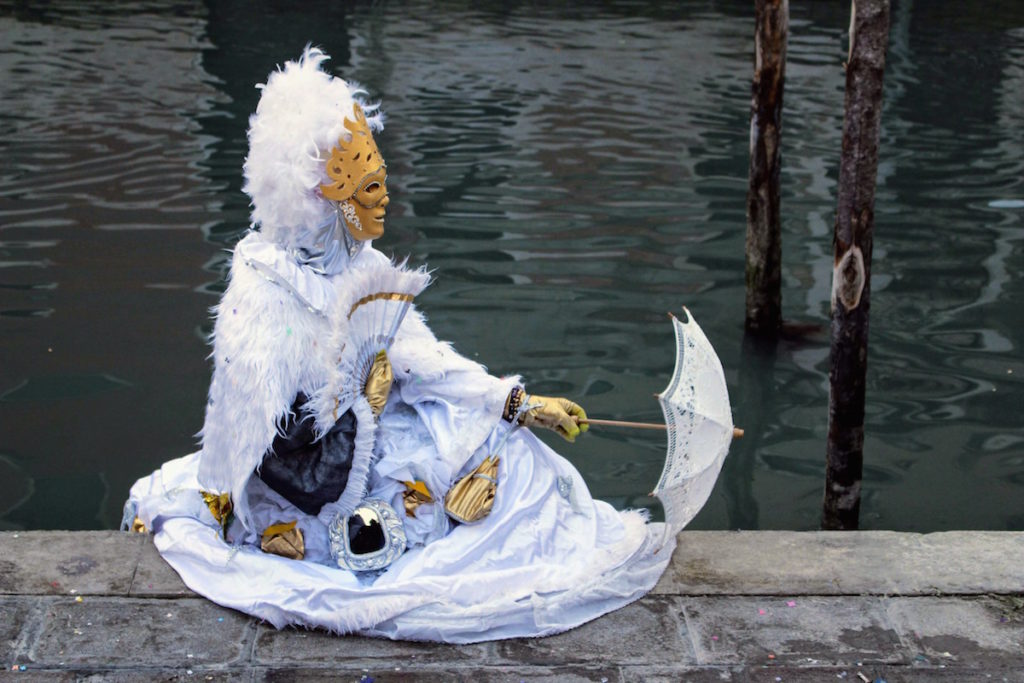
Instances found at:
x=416 y=494
x=138 y=526
x=352 y=160
x=285 y=540
x=378 y=383
x=470 y=499
x=358 y=179
x=221 y=508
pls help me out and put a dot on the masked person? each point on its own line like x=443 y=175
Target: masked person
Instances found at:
x=416 y=508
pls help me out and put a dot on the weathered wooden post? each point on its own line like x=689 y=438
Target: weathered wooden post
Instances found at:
x=851 y=276
x=764 y=240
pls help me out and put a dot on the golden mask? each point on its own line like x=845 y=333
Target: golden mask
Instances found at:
x=358 y=180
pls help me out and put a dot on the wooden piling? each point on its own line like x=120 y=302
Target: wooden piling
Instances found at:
x=764 y=241
x=851 y=276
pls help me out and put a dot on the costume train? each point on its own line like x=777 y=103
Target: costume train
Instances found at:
x=357 y=474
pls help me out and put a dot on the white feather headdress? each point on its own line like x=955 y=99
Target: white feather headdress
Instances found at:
x=299 y=118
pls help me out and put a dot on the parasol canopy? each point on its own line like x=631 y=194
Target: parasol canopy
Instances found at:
x=699 y=422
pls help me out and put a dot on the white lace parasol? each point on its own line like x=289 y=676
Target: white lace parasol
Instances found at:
x=700 y=428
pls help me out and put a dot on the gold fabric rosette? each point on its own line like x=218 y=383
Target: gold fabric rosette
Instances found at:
x=285 y=540
x=470 y=499
x=221 y=509
x=416 y=493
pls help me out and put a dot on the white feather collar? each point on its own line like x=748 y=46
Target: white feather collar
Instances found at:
x=276 y=264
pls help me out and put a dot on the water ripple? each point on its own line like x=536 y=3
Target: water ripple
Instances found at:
x=572 y=172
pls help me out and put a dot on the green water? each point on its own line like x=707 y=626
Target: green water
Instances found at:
x=571 y=174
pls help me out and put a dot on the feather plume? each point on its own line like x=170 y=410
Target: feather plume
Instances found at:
x=300 y=117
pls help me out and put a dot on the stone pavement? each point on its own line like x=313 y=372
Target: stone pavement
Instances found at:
x=733 y=606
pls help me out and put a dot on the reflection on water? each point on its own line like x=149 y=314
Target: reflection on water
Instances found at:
x=571 y=175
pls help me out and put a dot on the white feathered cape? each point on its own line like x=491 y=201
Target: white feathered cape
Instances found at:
x=546 y=559
x=270 y=344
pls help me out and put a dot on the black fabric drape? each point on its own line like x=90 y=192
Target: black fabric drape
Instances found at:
x=306 y=472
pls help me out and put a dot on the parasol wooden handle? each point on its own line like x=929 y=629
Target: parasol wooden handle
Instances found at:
x=737 y=433
x=623 y=423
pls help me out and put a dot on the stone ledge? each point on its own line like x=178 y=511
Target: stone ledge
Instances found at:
x=63 y=562
x=704 y=563
x=733 y=606
x=845 y=563
x=485 y=674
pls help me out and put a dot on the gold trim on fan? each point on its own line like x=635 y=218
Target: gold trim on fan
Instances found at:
x=391 y=296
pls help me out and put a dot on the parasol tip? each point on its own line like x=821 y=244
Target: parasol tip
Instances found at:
x=737 y=433
x=686 y=310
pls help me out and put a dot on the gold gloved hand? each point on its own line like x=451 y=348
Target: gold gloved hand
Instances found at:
x=558 y=414
x=378 y=383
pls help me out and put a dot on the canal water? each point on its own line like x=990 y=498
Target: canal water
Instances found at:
x=571 y=174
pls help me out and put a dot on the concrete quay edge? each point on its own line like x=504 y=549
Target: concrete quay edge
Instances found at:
x=733 y=606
